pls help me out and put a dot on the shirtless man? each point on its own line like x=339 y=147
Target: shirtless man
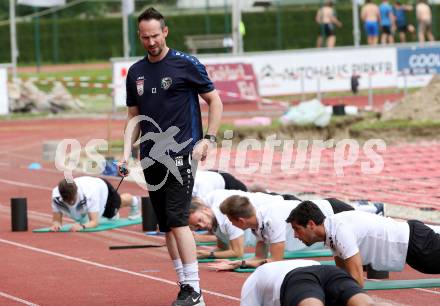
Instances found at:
x=327 y=20
x=424 y=19
x=370 y=15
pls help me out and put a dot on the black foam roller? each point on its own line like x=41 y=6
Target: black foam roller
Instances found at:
x=19 y=221
x=149 y=220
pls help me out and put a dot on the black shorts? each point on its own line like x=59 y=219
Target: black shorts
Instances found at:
x=402 y=28
x=286 y=196
x=423 y=248
x=386 y=30
x=331 y=285
x=339 y=206
x=231 y=183
x=172 y=200
x=113 y=201
x=327 y=29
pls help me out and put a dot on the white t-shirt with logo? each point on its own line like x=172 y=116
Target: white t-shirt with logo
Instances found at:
x=263 y=287
x=257 y=199
x=381 y=242
x=92 y=197
x=225 y=230
x=272 y=226
x=207 y=181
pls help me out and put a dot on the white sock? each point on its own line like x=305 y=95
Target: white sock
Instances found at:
x=191 y=272
x=134 y=201
x=179 y=270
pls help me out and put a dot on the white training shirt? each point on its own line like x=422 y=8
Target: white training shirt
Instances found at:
x=263 y=287
x=257 y=199
x=92 y=197
x=225 y=230
x=381 y=242
x=272 y=226
x=207 y=181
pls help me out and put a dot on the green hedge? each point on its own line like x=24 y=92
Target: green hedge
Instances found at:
x=82 y=40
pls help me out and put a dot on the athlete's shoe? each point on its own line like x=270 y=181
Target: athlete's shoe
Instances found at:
x=134 y=210
x=188 y=297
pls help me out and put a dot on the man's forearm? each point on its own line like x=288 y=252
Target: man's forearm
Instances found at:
x=131 y=137
x=214 y=116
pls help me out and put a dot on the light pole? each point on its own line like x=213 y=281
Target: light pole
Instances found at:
x=356 y=31
x=237 y=48
x=13 y=31
x=127 y=9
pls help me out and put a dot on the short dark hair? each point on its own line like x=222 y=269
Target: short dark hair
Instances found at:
x=68 y=190
x=152 y=13
x=237 y=207
x=304 y=212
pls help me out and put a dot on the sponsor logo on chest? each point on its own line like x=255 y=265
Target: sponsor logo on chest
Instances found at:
x=166 y=83
x=140 y=85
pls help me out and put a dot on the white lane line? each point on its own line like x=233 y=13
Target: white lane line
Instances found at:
x=24 y=184
x=96 y=264
x=14 y=298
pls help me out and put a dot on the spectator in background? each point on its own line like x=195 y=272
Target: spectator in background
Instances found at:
x=327 y=21
x=387 y=23
x=401 y=22
x=370 y=16
x=354 y=83
x=424 y=20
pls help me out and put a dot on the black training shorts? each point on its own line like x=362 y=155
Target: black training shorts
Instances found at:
x=113 y=201
x=231 y=182
x=423 y=248
x=338 y=205
x=172 y=200
x=331 y=285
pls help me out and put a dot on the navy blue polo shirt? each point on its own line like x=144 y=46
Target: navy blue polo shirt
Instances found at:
x=167 y=92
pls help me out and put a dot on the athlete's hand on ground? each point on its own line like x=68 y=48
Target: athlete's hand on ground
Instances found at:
x=201 y=149
x=123 y=169
x=76 y=227
x=55 y=227
x=202 y=253
x=224 y=265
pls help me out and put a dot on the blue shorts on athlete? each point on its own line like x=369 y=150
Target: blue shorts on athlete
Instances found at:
x=371 y=28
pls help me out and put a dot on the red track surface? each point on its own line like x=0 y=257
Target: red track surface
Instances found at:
x=79 y=269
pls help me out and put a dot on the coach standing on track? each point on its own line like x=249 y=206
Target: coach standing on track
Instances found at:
x=163 y=88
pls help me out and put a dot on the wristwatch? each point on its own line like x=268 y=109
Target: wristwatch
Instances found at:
x=211 y=138
x=211 y=255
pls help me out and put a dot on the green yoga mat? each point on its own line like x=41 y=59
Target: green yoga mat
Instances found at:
x=206 y=243
x=287 y=255
x=403 y=284
x=308 y=254
x=104 y=225
x=250 y=270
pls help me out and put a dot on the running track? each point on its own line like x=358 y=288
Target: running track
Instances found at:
x=78 y=269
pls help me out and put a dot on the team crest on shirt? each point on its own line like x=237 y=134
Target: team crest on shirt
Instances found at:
x=140 y=85
x=166 y=83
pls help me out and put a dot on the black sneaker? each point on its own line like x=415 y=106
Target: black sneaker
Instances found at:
x=188 y=297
